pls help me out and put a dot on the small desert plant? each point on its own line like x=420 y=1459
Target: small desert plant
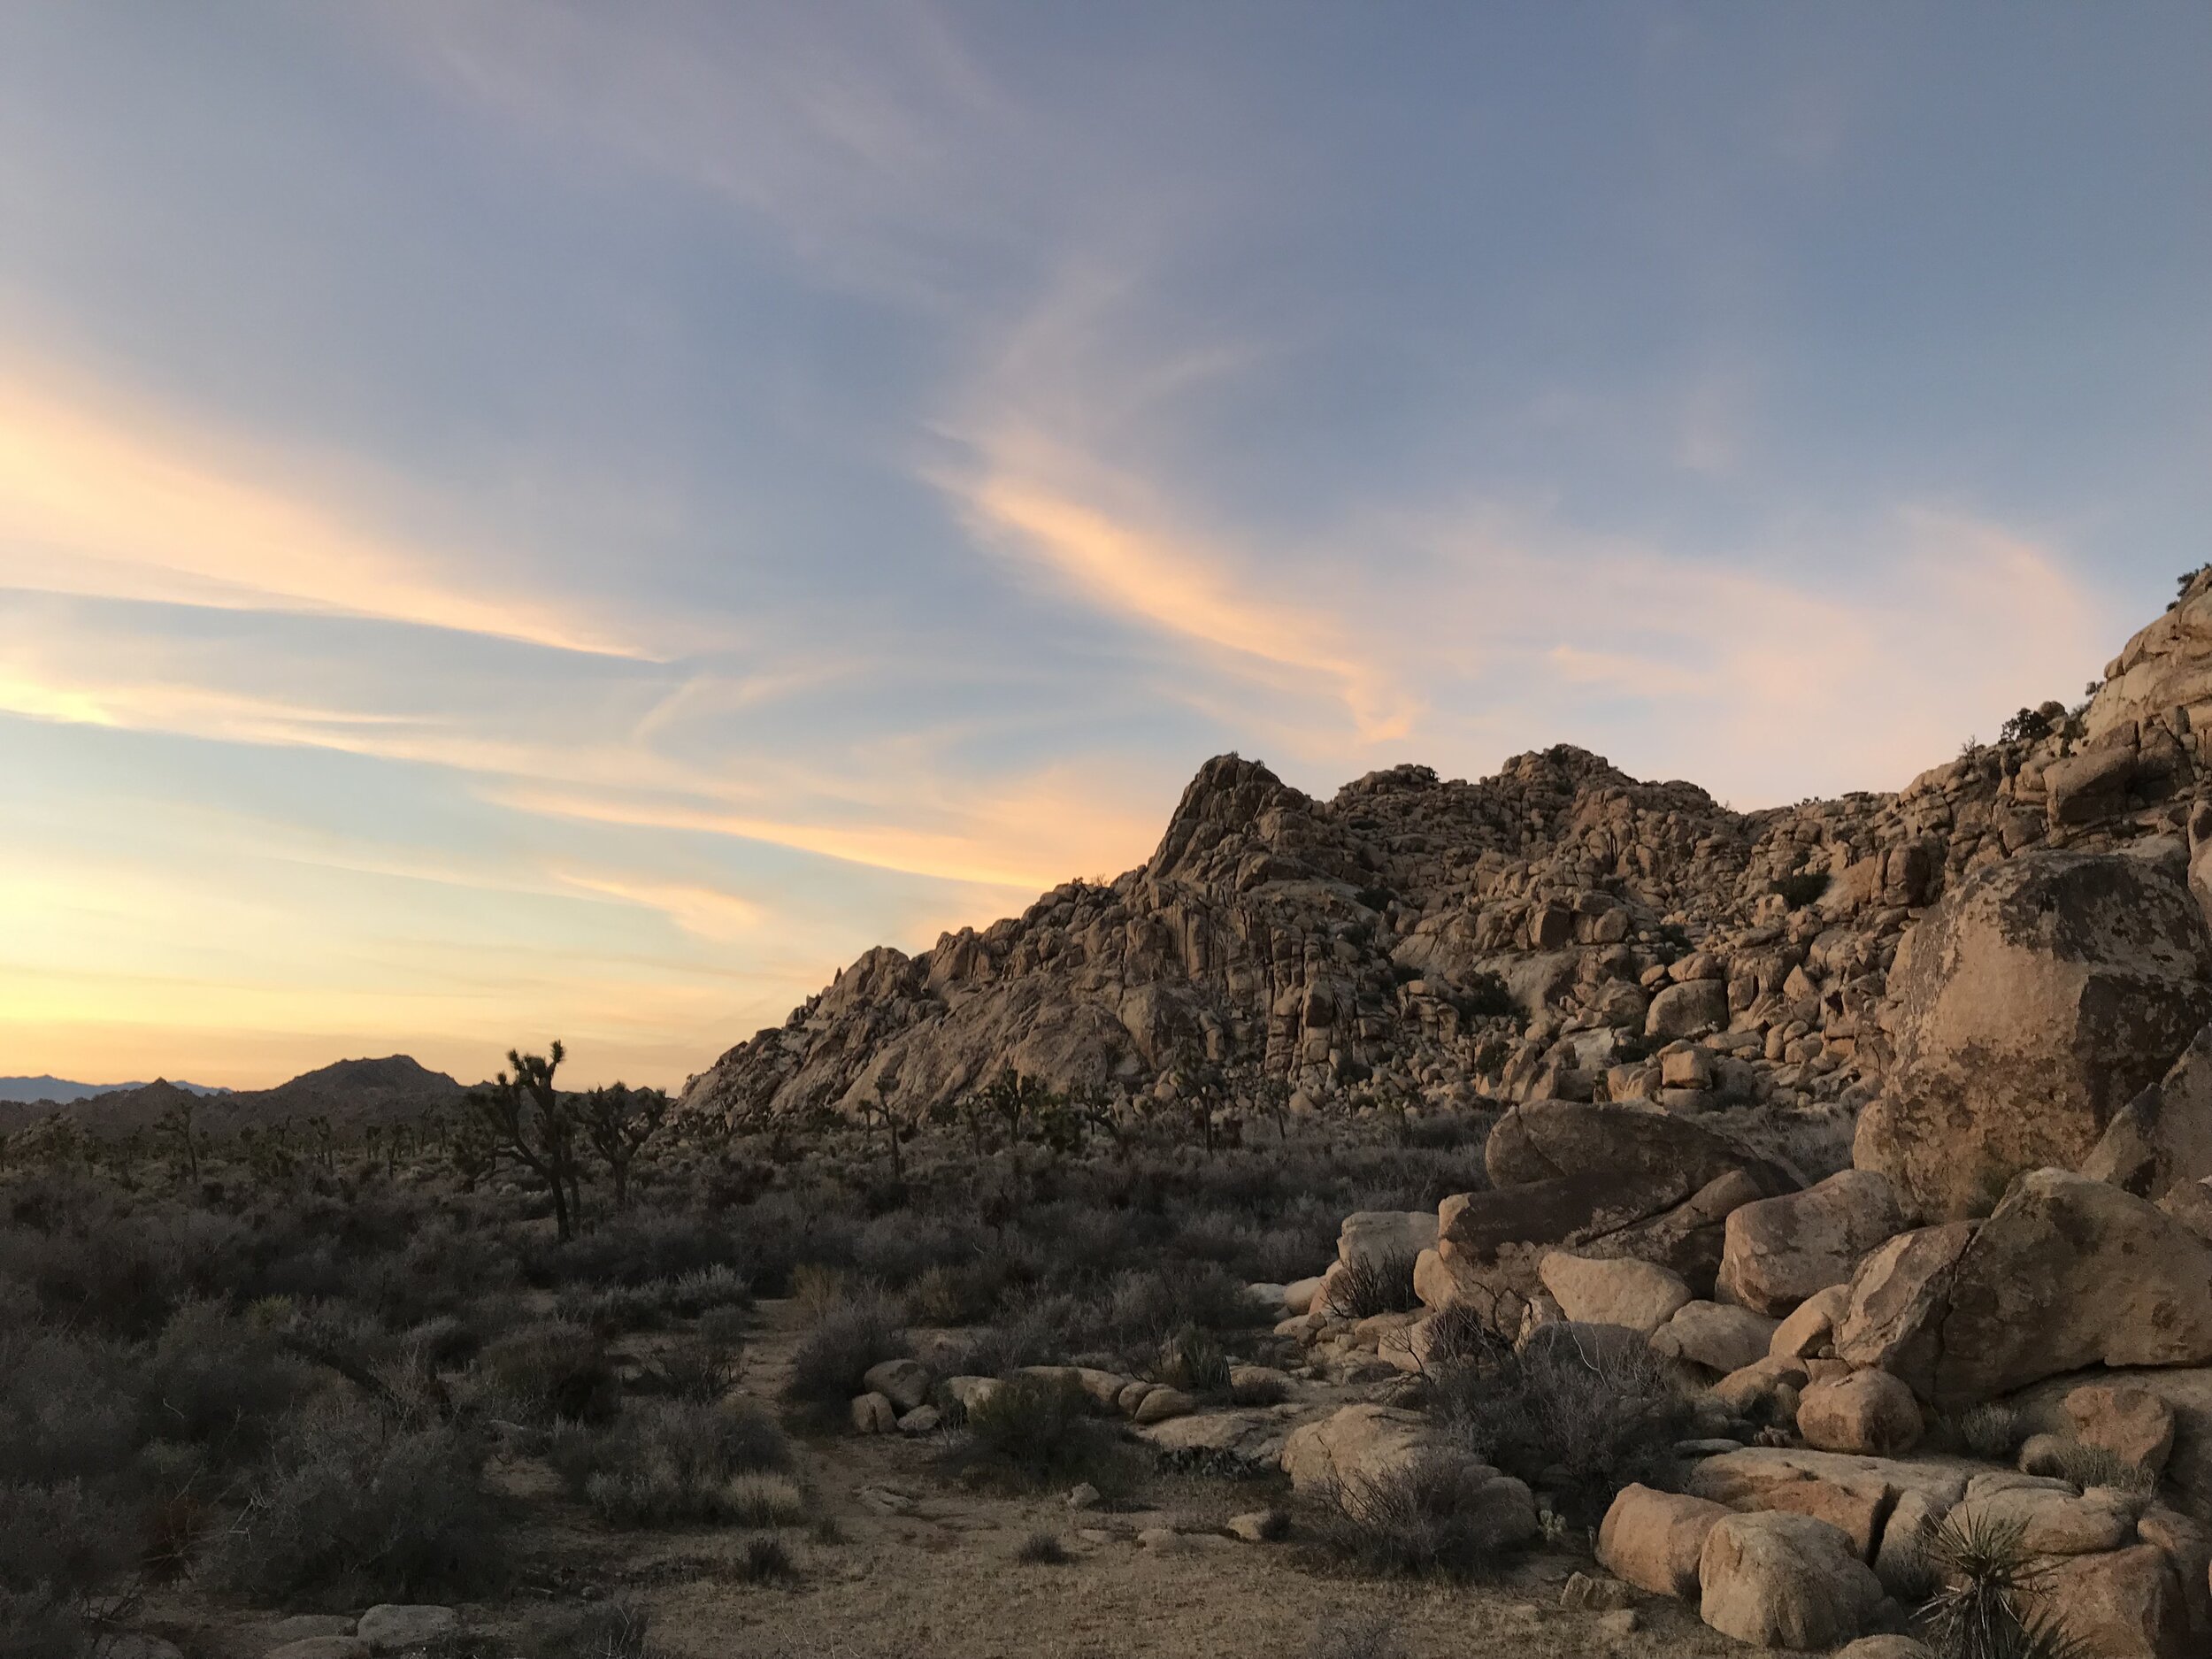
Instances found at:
x=1990 y=1431
x=1356 y=1636
x=1036 y=1431
x=1194 y=1361
x=1986 y=1608
x=1260 y=1388
x=766 y=1561
x=611 y=1629
x=832 y=1361
x=1042 y=1549
x=2087 y=1465
x=666 y=1463
x=1442 y=1515
x=1372 y=1284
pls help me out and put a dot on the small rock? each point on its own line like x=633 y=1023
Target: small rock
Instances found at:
x=300 y=1627
x=2133 y=1425
x=904 y=1382
x=1165 y=1540
x=322 y=1648
x=873 y=1414
x=1162 y=1403
x=1083 y=1497
x=884 y=1500
x=1622 y=1621
x=1584 y=1593
x=1258 y=1526
x=1868 y=1412
x=1885 y=1648
x=391 y=1627
x=922 y=1420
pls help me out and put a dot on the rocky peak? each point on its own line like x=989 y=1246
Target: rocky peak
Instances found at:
x=1224 y=801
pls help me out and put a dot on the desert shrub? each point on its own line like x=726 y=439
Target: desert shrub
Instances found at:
x=1484 y=995
x=1987 y=1608
x=1990 y=1431
x=1036 y=1433
x=1263 y=1389
x=647 y=1247
x=61 y=1550
x=1372 y=1284
x=609 y=1309
x=69 y=1407
x=552 y=1372
x=1143 y=1308
x=766 y=1561
x=609 y=1630
x=1440 y=1514
x=831 y=1360
x=664 y=1462
x=1581 y=1415
x=351 y=1510
x=1042 y=1549
x=2087 y=1465
x=1805 y=888
x=1356 y=1636
x=1032 y=1330
x=705 y=1290
x=219 y=1381
x=1193 y=1360
x=701 y=1372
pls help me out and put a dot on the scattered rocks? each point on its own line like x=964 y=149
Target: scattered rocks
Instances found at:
x=904 y=1382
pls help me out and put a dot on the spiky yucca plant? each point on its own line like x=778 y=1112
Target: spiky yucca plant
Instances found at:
x=1990 y=1581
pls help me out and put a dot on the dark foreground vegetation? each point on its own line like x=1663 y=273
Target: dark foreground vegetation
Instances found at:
x=278 y=1370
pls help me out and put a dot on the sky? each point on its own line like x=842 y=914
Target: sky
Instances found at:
x=522 y=518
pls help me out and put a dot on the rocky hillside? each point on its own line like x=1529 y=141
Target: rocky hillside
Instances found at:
x=1649 y=943
x=352 y=1094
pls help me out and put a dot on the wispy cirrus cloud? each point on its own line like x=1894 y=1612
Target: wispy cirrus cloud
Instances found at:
x=100 y=497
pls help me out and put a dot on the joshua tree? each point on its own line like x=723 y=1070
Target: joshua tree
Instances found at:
x=177 y=1124
x=878 y=1113
x=526 y=1115
x=618 y=1121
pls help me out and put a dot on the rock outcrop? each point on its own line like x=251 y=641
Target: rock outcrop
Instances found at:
x=2031 y=1005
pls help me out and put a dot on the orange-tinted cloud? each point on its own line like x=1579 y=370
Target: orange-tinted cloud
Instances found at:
x=100 y=498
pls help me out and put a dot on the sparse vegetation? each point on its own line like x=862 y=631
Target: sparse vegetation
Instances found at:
x=1381 y=1282
x=1035 y=1433
x=1442 y=1515
x=1988 y=1607
x=666 y=1463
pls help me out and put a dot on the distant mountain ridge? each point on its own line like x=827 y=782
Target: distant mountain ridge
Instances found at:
x=354 y=1094
x=63 y=1092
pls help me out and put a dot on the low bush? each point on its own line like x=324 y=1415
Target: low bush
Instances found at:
x=766 y=1561
x=2087 y=1465
x=1193 y=1360
x=1356 y=1636
x=666 y=1463
x=1583 y=1415
x=831 y=1360
x=1042 y=1549
x=1037 y=1433
x=1990 y=1431
x=1372 y=1284
x=1442 y=1515
x=550 y=1373
x=351 y=1510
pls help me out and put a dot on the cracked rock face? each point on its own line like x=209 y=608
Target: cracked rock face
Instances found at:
x=2034 y=1002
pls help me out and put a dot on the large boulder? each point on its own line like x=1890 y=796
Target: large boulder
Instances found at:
x=1867 y=1411
x=2122 y=1604
x=1640 y=1295
x=1715 y=1335
x=1374 y=1237
x=2162 y=1139
x=2072 y=1272
x=1898 y=1298
x=1605 y=1181
x=1860 y=1495
x=2037 y=998
x=1358 y=1445
x=1683 y=1011
x=1784 y=1580
x=1779 y=1251
x=1653 y=1539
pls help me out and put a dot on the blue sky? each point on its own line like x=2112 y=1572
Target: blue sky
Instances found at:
x=522 y=520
